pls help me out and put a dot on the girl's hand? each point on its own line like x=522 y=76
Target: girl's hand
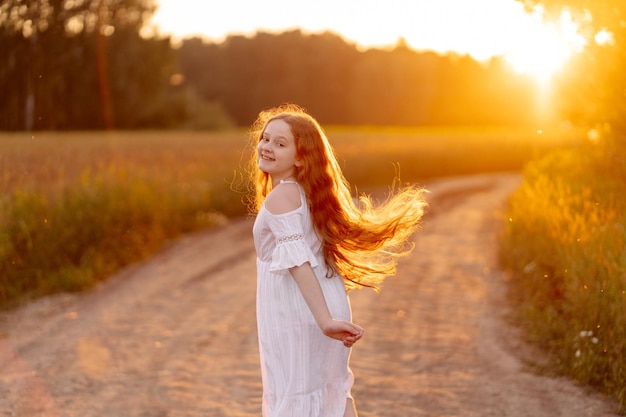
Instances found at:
x=344 y=331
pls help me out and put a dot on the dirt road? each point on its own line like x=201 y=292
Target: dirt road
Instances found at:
x=175 y=335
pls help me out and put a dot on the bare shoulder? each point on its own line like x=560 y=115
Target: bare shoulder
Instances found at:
x=283 y=199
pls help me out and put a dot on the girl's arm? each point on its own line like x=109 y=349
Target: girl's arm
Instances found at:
x=342 y=330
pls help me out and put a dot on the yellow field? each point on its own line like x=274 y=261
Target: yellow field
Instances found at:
x=77 y=206
x=45 y=161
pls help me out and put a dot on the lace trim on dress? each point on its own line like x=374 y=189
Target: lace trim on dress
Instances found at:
x=290 y=238
x=293 y=252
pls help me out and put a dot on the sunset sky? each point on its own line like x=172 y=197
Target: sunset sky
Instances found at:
x=481 y=28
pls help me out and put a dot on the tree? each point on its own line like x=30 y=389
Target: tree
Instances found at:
x=70 y=64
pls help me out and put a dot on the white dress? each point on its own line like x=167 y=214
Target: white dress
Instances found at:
x=304 y=372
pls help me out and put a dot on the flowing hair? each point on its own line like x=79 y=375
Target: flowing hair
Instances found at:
x=361 y=243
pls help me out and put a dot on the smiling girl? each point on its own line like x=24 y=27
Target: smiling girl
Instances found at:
x=313 y=244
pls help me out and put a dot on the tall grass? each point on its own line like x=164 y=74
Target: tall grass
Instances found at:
x=565 y=242
x=75 y=207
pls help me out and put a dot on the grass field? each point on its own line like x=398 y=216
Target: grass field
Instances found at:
x=565 y=245
x=75 y=207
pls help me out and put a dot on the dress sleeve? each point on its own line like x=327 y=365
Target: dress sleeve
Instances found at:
x=291 y=247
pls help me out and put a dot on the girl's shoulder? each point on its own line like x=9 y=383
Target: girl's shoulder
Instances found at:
x=284 y=198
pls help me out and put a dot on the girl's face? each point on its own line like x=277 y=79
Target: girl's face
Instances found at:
x=277 y=151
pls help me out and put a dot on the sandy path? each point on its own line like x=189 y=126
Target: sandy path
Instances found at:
x=175 y=336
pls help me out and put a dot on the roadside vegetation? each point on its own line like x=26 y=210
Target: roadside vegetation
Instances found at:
x=79 y=206
x=564 y=243
x=76 y=207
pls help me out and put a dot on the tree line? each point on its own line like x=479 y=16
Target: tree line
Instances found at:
x=81 y=65
x=71 y=64
x=342 y=85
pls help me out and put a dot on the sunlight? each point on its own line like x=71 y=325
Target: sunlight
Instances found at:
x=481 y=28
x=544 y=47
x=540 y=53
x=604 y=37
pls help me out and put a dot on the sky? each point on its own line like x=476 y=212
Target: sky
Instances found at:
x=480 y=28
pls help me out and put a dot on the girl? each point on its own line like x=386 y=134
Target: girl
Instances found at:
x=313 y=244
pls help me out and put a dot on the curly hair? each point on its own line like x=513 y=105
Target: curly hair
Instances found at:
x=361 y=242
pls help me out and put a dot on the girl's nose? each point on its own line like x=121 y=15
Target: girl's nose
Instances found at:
x=264 y=146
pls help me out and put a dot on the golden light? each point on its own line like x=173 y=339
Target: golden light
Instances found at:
x=480 y=28
x=604 y=37
x=543 y=48
x=540 y=53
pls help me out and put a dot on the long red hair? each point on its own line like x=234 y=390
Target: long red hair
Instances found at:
x=361 y=243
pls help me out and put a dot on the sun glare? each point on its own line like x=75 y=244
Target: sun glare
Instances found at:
x=544 y=47
x=480 y=28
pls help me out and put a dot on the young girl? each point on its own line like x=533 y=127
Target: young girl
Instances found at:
x=313 y=244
